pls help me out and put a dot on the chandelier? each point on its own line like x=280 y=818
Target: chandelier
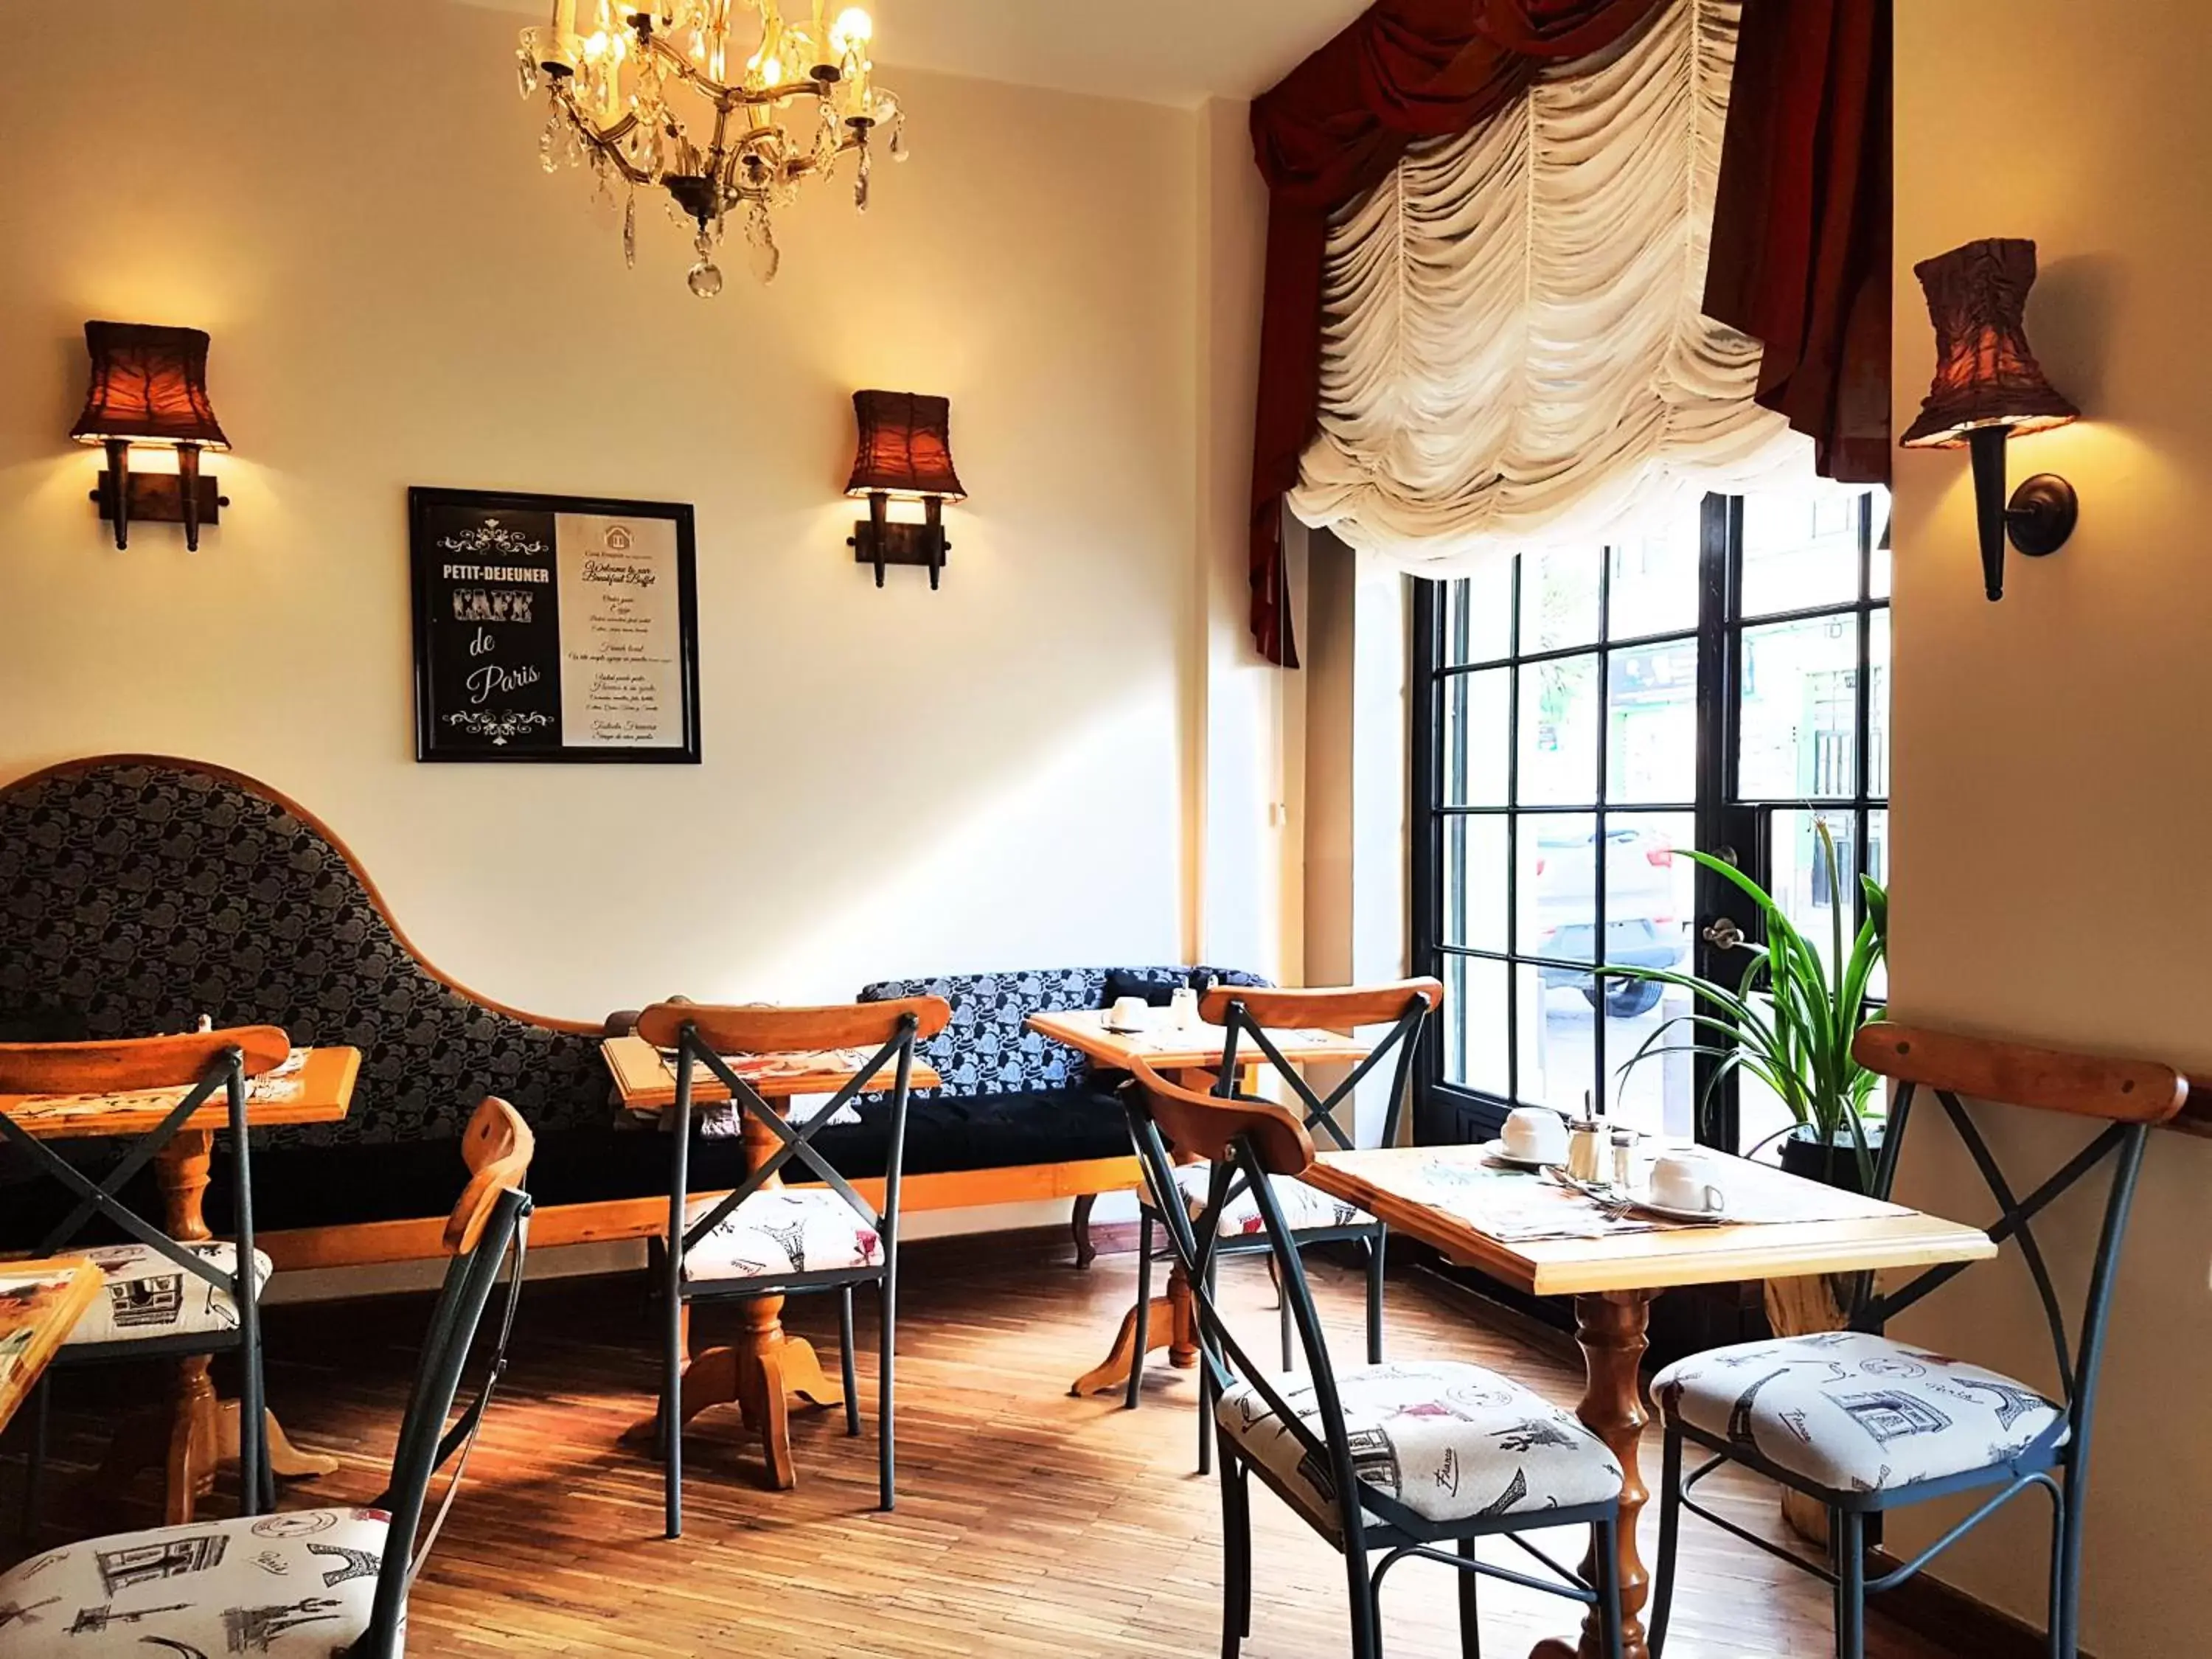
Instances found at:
x=613 y=101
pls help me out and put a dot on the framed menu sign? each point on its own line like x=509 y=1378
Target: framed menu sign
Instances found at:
x=553 y=628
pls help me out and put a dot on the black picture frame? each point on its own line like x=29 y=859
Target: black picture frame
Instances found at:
x=528 y=727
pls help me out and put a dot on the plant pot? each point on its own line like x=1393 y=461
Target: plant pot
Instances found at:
x=1801 y=1307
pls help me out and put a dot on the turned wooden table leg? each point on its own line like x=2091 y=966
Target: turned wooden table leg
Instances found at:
x=1610 y=1330
x=195 y=1437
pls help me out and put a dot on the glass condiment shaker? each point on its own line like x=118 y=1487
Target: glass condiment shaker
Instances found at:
x=1623 y=1157
x=1586 y=1139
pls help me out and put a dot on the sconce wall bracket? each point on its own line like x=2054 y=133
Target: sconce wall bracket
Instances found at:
x=159 y=498
x=2037 y=518
x=2041 y=514
x=881 y=540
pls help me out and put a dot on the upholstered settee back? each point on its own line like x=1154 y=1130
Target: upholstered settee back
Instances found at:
x=137 y=894
x=987 y=1048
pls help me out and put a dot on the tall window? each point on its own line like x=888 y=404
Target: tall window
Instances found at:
x=1721 y=683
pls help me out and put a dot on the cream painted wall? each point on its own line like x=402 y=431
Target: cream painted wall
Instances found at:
x=348 y=199
x=2052 y=771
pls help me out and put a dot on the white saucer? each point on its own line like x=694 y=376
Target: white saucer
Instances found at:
x=1495 y=1152
x=1710 y=1218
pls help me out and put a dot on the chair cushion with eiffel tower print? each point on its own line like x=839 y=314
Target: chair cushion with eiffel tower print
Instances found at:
x=1307 y=1209
x=1852 y=1411
x=781 y=1232
x=300 y=1582
x=1448 y=1440
x=148 y=1295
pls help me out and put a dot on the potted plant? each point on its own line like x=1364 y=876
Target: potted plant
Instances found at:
x=1789 y=1020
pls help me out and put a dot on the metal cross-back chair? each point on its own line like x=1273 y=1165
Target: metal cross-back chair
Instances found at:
x=1415 y=1458
x=337 y=1577
x=1245 y=1013
x=164 y=1297
x=1864 y=1424
x=766 y=1240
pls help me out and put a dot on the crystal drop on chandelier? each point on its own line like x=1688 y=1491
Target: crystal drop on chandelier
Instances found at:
x=705 y=279
x=861 y=179
x=629 y=230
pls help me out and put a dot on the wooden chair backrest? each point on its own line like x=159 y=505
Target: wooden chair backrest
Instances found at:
x=1203 y=1125
x=496 y=1147
x=1324 y=1007
x=764 y=1029
x=2014 y=1074
x=129 y=1064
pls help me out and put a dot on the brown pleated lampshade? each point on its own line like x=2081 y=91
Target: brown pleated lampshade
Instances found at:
x=906 y=447
x=148 y=386
x=1985 y=375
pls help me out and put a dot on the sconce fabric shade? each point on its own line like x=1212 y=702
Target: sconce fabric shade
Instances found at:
x=1985 y=375
x=906 y=447
x=148 y=386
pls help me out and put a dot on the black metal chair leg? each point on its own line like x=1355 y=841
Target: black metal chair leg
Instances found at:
x=1366 y=1609
x=671 y=1415
x=1671 y=1529
x=1848 y=1526
x=1470 y=1625
x=2069 y=1568
x=1375 y=1258
x=252 y=1416
x=1607 y=1543
x=845 y=1360
x=1244 y=1474
x=1206 y=1385
x=1143 y=1330
x=2055 y=1628
x=1236 y=1559
x=887 y=1451
x=1283 y=1309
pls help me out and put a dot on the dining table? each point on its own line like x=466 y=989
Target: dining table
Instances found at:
x=765 y=1364
x=1543 y=1237
x=199 y=1432
x=40 y=1302
x=1188 y=1052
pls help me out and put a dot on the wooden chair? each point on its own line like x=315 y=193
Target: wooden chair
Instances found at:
x=763 y=1240
x=1413 y=1458
x=337 y=1577
x=166 y=1297
x=1864 y=1424
x=1245 y=1013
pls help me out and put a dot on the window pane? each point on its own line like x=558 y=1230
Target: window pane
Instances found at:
x=1816 y=900
x=1474 y=883
x=1474 y=1025
x=1800 y=713
x=1477 y=728
x=1658 y=1093
x=1477 y=624
x=1559 y=732
x=1655 y=580
x=1558 y=598
x=1878 y=705
x=1800 y=550
x=1557 y=882
x=1651 y=723
x=1877 y=860
x=1558 y=1063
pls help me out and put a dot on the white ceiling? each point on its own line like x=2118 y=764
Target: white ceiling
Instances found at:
x=1164 y=52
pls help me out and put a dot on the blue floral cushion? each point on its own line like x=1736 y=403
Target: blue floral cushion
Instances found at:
x=136 y=896
x=987 y=1048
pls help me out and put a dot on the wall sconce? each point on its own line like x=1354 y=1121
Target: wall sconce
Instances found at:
x=906 y=451
x=149 y=387
x=1989 y=387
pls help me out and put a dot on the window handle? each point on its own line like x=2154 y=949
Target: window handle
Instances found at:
x=1722 y=934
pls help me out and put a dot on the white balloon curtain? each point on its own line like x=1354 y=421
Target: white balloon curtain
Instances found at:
x=1513 y=357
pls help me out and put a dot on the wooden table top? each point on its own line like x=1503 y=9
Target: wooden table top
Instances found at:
x=646 y=1078
x=1431 y=1192
x=1169 y=1048
x=40 y=1303
x=319 y=1091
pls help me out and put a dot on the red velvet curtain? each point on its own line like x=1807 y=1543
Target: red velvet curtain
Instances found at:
x=1404 y=70
x=1802 y=223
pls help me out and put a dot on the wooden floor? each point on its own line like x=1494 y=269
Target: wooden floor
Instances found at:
x=1028 y=1523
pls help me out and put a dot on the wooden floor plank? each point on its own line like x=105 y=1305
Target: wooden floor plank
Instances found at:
x=1028 y=1523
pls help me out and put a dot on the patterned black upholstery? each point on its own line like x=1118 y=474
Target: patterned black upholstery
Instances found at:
x=136 y=896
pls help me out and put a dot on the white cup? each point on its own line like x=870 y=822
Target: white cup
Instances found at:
x=1684 y=1180
x=1128 y=1014
x=1535 y=1135
x=1182 y=1006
